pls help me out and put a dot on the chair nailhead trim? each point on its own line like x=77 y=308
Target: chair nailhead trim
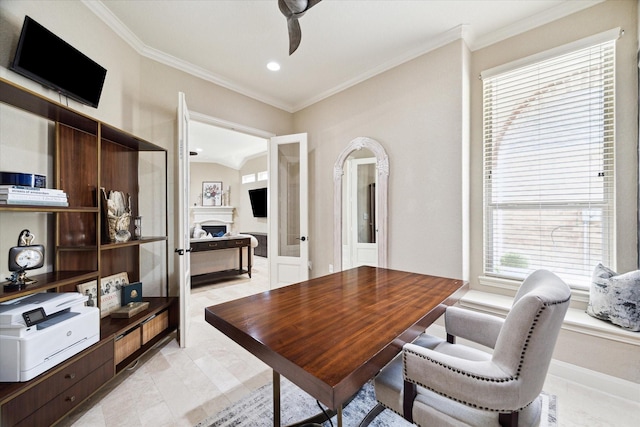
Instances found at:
x=478 y=377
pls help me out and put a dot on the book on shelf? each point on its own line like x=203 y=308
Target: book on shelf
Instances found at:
x=33 y=203
x=39 y=197
x=23 y=189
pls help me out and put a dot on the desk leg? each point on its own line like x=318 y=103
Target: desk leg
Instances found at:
x=339 y=416
x=276 y=399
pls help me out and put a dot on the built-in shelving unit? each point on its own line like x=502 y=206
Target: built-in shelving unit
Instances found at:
x=88 y=155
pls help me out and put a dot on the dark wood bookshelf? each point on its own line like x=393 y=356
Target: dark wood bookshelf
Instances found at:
x=87 y=155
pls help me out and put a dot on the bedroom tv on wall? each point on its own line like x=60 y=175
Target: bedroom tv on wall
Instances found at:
x=258 y=198
x=47 y=59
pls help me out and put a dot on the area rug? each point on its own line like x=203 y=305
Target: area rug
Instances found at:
x=256 y=410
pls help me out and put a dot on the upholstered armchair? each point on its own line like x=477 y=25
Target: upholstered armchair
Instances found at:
x=434 y=382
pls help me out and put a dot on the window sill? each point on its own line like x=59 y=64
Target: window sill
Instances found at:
x=579 y=294
x=576 y=320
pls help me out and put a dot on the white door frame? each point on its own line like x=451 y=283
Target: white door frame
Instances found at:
x=183 y=242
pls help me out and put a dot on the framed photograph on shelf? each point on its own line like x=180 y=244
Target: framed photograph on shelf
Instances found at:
x=110 y=291
x=212 y=193
x=90 y=289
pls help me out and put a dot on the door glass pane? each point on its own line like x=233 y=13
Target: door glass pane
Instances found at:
x=289 y=199
x=366 y=202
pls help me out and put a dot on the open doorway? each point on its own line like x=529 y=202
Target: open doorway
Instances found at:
x=228 y=166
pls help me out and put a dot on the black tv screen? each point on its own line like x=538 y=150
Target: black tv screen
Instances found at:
x=46 y=58
x=258 y=198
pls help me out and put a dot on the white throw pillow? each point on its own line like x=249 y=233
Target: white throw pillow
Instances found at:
x=615 y=297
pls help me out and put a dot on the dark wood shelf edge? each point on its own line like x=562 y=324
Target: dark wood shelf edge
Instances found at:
x=125 y=139
x=27 y=100
x=47 y=209
x=202 y=279
x=133 y=242
x=47 y=281
x=112 y=327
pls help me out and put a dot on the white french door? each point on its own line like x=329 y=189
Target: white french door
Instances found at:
x=288 y=210
x=183 y=243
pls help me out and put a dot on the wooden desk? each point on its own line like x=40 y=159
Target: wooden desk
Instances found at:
x=332 y=334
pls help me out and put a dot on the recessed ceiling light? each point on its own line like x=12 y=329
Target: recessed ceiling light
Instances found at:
x=273 y=66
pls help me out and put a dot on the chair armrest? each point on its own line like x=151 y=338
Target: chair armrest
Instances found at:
x=480 y=384
x=477 y=327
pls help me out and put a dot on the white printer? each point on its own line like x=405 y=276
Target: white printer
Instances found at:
x=41 y=330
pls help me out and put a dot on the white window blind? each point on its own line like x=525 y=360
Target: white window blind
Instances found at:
x=549 y=166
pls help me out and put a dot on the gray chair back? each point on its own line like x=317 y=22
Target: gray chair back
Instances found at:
x=526 y=341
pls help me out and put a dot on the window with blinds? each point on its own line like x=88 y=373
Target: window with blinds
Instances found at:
x=549 y=166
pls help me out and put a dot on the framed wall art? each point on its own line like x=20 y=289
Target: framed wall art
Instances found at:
x=212 y=193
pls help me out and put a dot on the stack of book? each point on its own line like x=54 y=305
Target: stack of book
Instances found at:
x=23 y=195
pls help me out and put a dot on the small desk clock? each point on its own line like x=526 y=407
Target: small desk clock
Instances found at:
x=22 y=257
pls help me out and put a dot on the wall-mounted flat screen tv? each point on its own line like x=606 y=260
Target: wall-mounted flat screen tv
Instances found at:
x=258 y=198
x=46 y=58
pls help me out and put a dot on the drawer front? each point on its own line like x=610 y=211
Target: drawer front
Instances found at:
x=239 y=242
x=70 y=398
x=154 y=326
x=66 y=377
x=127 y=345
x=209 y=246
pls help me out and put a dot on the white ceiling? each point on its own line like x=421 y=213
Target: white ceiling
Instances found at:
x=344 y=42
x=230 y=42
x=227 y=147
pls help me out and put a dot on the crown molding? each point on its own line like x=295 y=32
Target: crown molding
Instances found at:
x=463 y=32
x=102 y=12
x=562 y=10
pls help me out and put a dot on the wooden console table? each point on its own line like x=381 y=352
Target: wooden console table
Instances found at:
x=218 y=244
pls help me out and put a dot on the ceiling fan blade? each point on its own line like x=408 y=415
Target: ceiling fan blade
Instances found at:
x=312 y=3
x=292 y=10
x=295 y=6
x=295 y=34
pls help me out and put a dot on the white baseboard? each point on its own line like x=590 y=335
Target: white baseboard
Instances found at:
x=614 y=386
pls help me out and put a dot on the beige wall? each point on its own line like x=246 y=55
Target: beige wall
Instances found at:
x=201 y=172
x=418 y=111
x=405 y=109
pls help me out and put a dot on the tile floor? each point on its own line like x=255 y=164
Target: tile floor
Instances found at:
x=181 y=387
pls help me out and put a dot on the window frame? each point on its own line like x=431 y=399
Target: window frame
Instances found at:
x=490 y=277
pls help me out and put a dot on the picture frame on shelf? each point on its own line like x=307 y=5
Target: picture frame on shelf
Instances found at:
x=212 y=193
x=90 y=289
x=110 y=292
